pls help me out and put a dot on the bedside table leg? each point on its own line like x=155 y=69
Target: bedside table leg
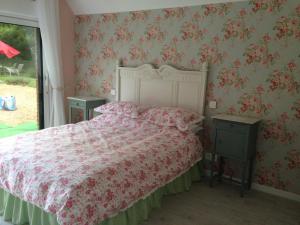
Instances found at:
x=85 y=114
x=212 y=170
x=70 y=114
x=243 y=178
x=221 y=168
x=250 y=173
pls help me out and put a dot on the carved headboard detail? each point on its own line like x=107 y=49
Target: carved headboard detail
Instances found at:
x=166 y=86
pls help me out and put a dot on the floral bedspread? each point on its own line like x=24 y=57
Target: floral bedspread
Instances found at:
x=90 y=171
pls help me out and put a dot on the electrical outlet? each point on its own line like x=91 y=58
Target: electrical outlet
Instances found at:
x=212 y=104
x=113 y=91
x=208 y=156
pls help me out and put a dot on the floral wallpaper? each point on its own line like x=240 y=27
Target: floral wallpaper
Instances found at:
x=253 y=49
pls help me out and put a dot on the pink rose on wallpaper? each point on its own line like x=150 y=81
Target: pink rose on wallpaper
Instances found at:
x=171 y=54
x=260 y=89
x=267 y=6
x=76 y=36
x=267 y=38
x=108 y=53
x=82 y=85
x=137 y=53
x=193 y=63
x=237 y=63
x=107 y=85
x=230 y=77
x=292 y=66
x=296 y=109
x=277 y=130
x=259 y=53
x=139 y=15
x=154 y=32
x=252 y=103
x=259 y=156
x=124 y=61
x=284 y=80
x=191 y=31
x=173 y=12
x=82 y=19
x=95 y=34
x=287 y=27
x=237 y=29
x=231 y=110
x=123 y=34
x=83 y=52
x=271 y=176
x=243 y=12
x=197 y=16
x=298 y=10
x=216 y=40
x=95 y=70
x=210 y=54
x=210 y=9
x=293 y=158
x=156 y=62
x=109 y=17
x=219 y=9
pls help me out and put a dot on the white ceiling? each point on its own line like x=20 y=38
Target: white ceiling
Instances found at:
x=108 y=6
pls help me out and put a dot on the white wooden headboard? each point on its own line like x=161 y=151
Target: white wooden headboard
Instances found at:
x=165 y=86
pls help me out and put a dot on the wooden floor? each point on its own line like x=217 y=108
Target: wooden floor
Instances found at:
x=222 y=205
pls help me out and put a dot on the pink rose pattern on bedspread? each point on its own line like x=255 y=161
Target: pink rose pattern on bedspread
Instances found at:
x=87 y=172
x=252 y=48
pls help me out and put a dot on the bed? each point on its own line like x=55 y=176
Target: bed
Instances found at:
x=109 y=170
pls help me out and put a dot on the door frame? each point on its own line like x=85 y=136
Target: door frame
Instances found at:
x=40 y=80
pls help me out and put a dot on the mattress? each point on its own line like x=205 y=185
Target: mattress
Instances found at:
x=87 y=172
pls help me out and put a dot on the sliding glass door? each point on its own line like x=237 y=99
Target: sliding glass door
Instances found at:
x=21 y=80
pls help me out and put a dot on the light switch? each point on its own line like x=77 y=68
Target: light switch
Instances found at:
x=212 y=104
x=113 y=91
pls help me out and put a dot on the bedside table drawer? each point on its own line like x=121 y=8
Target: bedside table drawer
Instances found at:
x=77 y=104
x=232 y=127
x=231 y=144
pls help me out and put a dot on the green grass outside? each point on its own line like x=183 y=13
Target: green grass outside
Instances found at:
x=18 y=80
x=6 y=130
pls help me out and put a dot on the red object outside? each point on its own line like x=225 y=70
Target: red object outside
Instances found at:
x=7 y=50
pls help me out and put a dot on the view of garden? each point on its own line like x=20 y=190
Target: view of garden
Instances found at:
x=17 y=79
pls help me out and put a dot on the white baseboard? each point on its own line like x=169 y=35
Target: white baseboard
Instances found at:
x=277 y=192
x=267 y=189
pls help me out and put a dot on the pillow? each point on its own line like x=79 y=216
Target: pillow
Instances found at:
x=181 y=118
x=127 y=109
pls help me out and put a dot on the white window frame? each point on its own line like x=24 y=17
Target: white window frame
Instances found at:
x=18 y=19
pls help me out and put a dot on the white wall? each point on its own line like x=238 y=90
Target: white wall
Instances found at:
x=18 y=11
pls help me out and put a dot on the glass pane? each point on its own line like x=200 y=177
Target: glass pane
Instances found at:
x=18 y=79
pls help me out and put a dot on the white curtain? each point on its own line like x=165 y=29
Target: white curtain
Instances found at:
x=48 y=17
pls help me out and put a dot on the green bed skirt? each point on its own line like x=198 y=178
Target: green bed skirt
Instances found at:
x=20 y=212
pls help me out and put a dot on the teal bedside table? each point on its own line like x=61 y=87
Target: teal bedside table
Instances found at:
x=85 y=103
x=235 y=138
